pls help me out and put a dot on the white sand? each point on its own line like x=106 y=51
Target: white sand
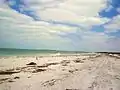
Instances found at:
x=81 y=72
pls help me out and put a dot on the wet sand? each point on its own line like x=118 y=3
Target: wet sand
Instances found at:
x=77 y=72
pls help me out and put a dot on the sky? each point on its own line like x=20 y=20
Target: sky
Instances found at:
x=75 y=25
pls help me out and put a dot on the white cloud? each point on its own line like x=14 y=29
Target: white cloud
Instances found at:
x=21 y=31
x=90 y=41
x=113 y=25
x=13 y=16
x=81 y=12
x=78 y=11
x=42 y=4
x=69 y=17
x=81 y=7
x=17 y=29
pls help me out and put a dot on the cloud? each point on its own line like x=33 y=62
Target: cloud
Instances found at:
x=77 y=12
x=83 y=8
x=113 y=25
x=89 y=41
x=63 y=24
x=21 y=31
x=8 y=14
x=114 y=44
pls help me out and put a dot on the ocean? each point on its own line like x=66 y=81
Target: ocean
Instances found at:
x=28 y=52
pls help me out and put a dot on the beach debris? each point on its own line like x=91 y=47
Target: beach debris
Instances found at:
x=29 y=77
x=8 y=72
x=71 y=71
x=38 y=70
x=78 y=61
x=93 y=85
x=72 y=89
x=110 y=88
x=84 y=59
x=47 y=65
x=37 y=58
x=16 y=77
x=8 y=80
x=50 y=82
x=3 y=80
x=31 y=63
x=117 y=77
x=117 y=56
x=11 y=81
x=65 y=62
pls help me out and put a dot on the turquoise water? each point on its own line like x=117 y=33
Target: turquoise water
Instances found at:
x=12 y=52
x=17 y=52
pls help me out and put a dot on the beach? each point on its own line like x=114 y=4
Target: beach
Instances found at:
x=92 y=71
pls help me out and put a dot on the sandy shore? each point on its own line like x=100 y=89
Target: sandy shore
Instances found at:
x=77 y=72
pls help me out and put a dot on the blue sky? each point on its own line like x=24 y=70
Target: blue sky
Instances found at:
x=92 y=25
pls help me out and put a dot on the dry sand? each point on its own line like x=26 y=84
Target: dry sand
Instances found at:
x=82 y=72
